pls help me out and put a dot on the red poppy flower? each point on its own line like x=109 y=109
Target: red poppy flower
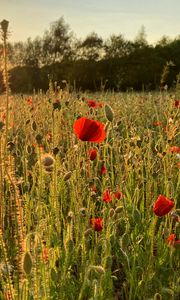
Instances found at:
x=118 y=195
x=157 y=123
x=177 y=103
x=103 y=170
x=92 y=103
x=162 y=206
x=107 y=196
x=174 y=149
x=29 y=101
x=89 y=130
x=171 y=239
x=92 y=154
x=96 y=223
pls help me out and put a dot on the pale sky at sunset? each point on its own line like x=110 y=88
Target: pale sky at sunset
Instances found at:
x=30 y=18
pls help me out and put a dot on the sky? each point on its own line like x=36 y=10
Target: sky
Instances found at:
x=30 y=18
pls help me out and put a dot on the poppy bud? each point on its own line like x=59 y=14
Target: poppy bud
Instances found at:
x=88 y=232
x=67 y=176
x=39 y=139
x=118 y=209
x=111 y=212
x=4 y=26
x=27 y=263
x=55 y=150
x=47 y=160
x=92 y=154
x=82 y=211
x=57 y=105
x=49 y=169
x=34 y=126
x=109 y=113
x=10 y=146
x=70 y=216
x=157 y=296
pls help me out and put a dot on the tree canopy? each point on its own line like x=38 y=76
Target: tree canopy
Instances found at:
x=88 y=62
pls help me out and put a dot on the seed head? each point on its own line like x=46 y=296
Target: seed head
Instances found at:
x=4 y=27
x=47 y=160
x=67 y=176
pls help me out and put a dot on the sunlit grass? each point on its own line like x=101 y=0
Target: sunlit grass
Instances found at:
x=48 y=248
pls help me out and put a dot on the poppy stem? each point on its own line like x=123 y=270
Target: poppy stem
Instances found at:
x=87 y=160
x=4 y=31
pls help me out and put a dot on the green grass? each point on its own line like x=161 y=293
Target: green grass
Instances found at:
x=48 y=249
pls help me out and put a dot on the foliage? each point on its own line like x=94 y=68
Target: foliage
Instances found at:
x=87 y=63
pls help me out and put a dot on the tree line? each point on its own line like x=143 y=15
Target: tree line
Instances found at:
x=92 y=63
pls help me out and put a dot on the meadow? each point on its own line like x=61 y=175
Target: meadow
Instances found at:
x=89 y=211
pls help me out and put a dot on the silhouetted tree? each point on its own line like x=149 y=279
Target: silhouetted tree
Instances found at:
x=91 y=48
x=121 y=63
x=140 y=40
x=33 y=52
x=116 y=46
x=17 y=54
x=56 y=44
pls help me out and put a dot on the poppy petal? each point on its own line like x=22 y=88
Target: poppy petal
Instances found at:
x=162 y=206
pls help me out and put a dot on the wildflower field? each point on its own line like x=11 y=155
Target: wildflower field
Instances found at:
x=89 y=196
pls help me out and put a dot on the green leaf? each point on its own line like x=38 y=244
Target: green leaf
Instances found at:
x=54 y=275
